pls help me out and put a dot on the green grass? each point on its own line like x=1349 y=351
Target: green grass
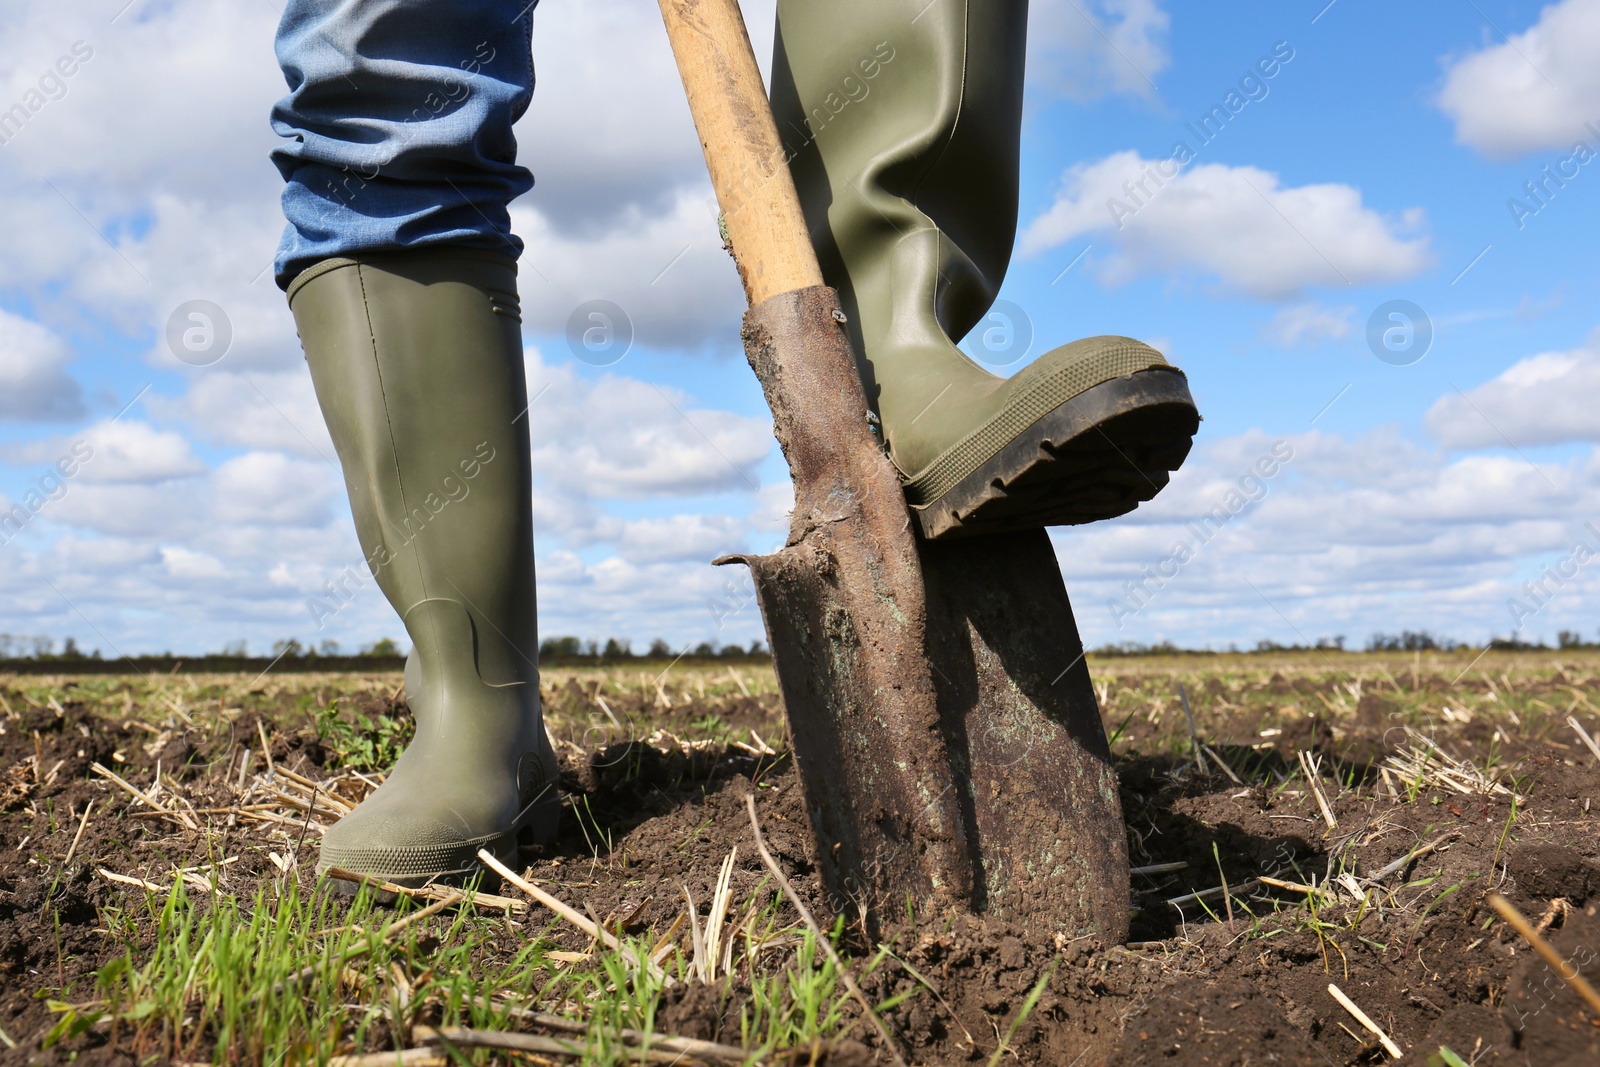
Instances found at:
x=238 y=981
x=290 y=977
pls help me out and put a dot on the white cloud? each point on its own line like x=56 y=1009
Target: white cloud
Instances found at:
x=609 y=138
x=684 y=602
x=187 y=565
x=184 y=251
x=1309 y=323
x=128 y=451
x=769 y=522
x=1092 y=49
x=266 y=411
x=169 y=510
x=621 y=181
x=1536 y=90
x=621 y=437
x=1349 y=536
x=33 y=383
x=1238 y=224
x=667 y=271
x=206 y=105
x=102 y=555
x=1548 y=399
x=121 y=452
x=691 y=538
x=271 y=488
x=137 y=190
x=144 y=482
x=174 y=555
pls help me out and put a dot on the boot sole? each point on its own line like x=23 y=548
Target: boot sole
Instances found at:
x=463 y=864
x=1099 y=455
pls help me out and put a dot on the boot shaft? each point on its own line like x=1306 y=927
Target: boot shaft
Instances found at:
x=417 y=362
x=903 y=120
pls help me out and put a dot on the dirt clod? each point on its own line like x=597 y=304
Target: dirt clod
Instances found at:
x=1550 y=1023
x=1552 y=870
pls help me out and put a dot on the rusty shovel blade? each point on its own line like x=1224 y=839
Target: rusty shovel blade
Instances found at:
x=945 y=731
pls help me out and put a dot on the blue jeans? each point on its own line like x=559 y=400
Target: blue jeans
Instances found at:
x=398 y=122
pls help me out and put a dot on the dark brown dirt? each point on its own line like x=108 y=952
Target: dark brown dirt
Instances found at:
x=1430 y=965
x=1226 y=1023
x=48 y=910
x=1426 y=968
x=1544 y=1013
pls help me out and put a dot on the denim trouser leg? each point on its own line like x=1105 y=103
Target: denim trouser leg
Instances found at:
x=399 y=120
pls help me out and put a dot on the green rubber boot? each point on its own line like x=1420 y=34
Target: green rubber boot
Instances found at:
x=903 y=118
x=417 y=362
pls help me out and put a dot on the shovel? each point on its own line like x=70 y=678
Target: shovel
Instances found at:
x=941 y=713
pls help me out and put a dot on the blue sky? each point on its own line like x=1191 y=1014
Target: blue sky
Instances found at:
x=1355 y=106
x=1375 y=165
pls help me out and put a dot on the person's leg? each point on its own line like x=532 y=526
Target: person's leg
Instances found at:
x=904 y=118
x=400 y=271
x=398 y=125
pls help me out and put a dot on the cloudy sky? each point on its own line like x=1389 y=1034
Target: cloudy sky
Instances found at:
x=1372 y=302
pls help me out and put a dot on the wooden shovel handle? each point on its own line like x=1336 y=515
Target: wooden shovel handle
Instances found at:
x=748 y=164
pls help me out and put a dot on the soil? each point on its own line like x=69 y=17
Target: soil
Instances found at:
x=1241 y=979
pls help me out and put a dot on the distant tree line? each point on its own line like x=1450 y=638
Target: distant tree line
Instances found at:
x=20 y=649
x=551 y=650
x=1405 y=641
x=37 y=655
x=291 y=648
x=575 y=650
x=29 y=646
x=1411 y=641
x=1167 y=648
x=1565 y=639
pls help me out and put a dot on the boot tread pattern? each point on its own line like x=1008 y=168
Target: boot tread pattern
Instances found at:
x=1105 y=358
x=1099 y=455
